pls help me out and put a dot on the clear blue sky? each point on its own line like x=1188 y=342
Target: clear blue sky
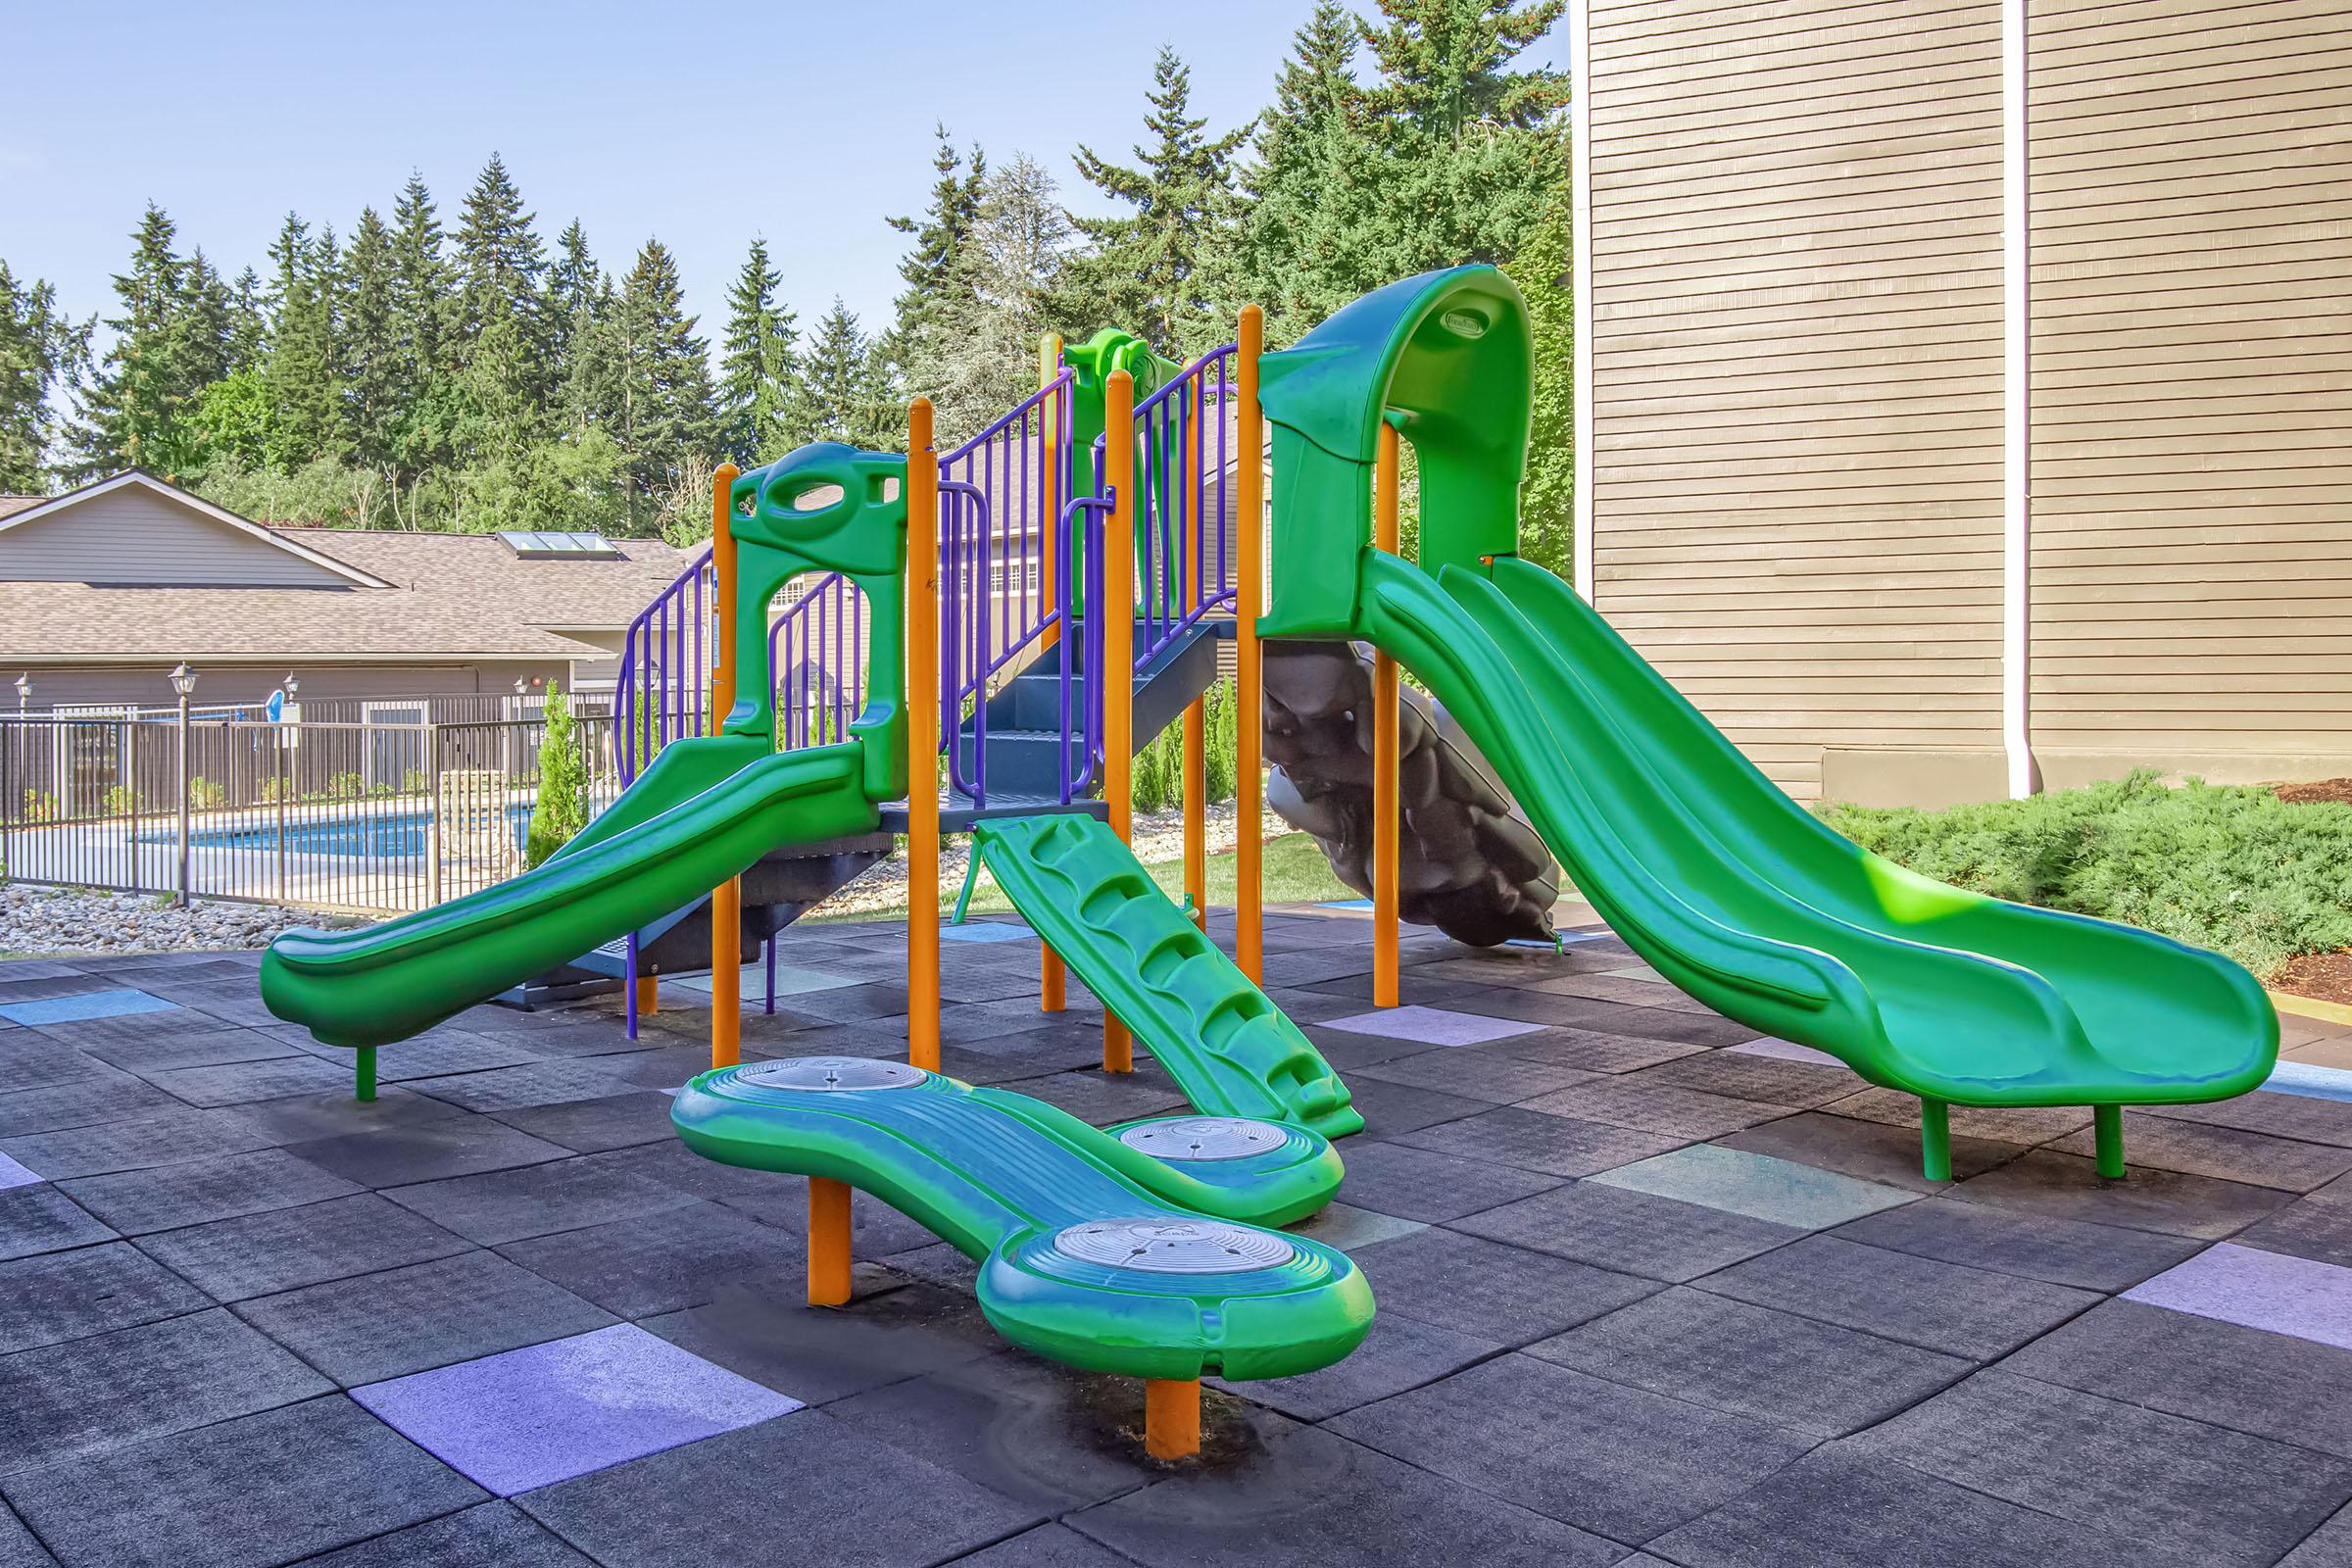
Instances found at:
x=807 y=123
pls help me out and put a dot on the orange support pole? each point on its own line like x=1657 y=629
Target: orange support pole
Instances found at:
x=828 y=1241
x=1385 y=846
x=1117 y=674
x=726 y=900
x=648 y=995
x=1196 y=715
x=1171 y=1417
x=922 y=742
x=1249 y=574
x=1052 y=983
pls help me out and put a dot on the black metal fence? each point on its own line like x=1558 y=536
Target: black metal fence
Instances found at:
x=361 y=817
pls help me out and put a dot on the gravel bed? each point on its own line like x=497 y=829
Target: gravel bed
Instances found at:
x=59 y=922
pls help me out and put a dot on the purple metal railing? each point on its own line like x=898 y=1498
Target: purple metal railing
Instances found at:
x=1184 y=549
x=664 y=680
x=816 y=652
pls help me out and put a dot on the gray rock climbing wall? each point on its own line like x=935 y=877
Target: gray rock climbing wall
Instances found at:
x=1469 y=862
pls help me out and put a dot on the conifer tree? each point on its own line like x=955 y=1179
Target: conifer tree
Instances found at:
x=757 y=366
x=371 y=355
x=1445 y=65
x=422 y=315
x=145 y=382
x=928 y=270
x=571 y=290
x=978 y=357
x=248 y=322
x=562 y=807
x=839 y=398
x=663 y=423
x=40 y=350
x=301 y=372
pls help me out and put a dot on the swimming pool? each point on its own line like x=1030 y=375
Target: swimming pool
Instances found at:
x=375 y=838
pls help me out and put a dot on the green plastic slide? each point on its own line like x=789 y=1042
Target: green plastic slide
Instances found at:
x=1090 y=1251
x=1231 y=1050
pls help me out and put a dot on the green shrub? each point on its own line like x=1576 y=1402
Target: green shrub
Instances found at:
x=2234 y=869
x=205 y=795
x=346 y=787
x=120 y=800
x=40 y=807
x=562 y=809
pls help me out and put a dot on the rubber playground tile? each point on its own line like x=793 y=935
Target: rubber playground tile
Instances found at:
x=491 y=1535
x=2314 y=1080
x=1431 y=1026
x=1804 y=1085
x=534 y=1083
x=404 y=1320
x=2062 y=1251
x=57 y=1296
x=1045 y=1547
x=1400 y=1353
x=168 y=1196
x=818 y=1354
x=2217 y=1496
x=1755 y=1361
x=84 y=1103
x=508 y=1205
x=671 y=1164
x=2271 y=1385
x=1657 y=1108
x=240 y=1083
x=302 y=1118
x=71 y=1009
x=1316 y=1497
x=1834 y=1509
x=1479 y=1074
x=1784 y=1050
x=64 y=1400
x=1633 y=1233
x=1418 y=1184
x=2000 y=1124
x=257 y=1489
x=591 y=1126
x=1595 y=1051
x=14 y=1174
x=1490 y=1291
x=1618 y=1461
x=260 y=1255
x=985 y=931
x=38 y=1218
x=1875 y=1152
x=18 y=1547
x=1390 y=1110
x=1530 y=1140
x=2262 y=1289
x=1758 y=1185
x=549 y=1413
x=2311 y=1227
x=460 y=1145
x=2229 y=1154
x=30 y=1060
x=136 y=1046
x=832 y=1496
x=2279 y=1108
x=791 y=981
x=432 y=1054
x=2328 y=1546
x=1917 y=1301
x=1348 y=1228
x=2045 y=1181
x=660 y=1263
x=21 y=979
x=1102 y=1097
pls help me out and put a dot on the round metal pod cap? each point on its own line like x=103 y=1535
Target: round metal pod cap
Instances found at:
x=1173 y=1245
x=1204 y=1138
x=831 y=1072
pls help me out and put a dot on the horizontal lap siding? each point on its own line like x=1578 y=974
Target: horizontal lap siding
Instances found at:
x=2193 y=377
x=1796 y=367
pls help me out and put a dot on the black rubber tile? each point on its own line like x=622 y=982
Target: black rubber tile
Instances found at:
x=536 y=1082
x=1346 y=1050
x=1474 y=1073
x=1741 y=1076
x=436 y=1053
x=1104 y=1098
x=1836 y=1508
x=2231 y=1154
x=245 y=1493
x=591 y=1126
x=1614 y=1461
x=1314 y=1498
x=671 y=1164
x=239 y=1082
x=462 y=1145
x=495 y=1535
x=661 y=1262
x=1503 y=1294
x=31 y=1059
x=302 y=1118
x=2312 y=1227
x=2156 y=1478
x=1530 y=1140
x=1595 y=1050
x=767 y=1330
x=156 y=1138
x=2314 y=1121
x=1401 y=1352
x=1940 y=1307
x=426 y=1315
x=150 y=1050
x=111 y=1097
x=1392 y=1110
x=260 y=1255
x=1419 y=1184
x=2271 y=1385
x=76 y=1399
x=2028 y=1125
x=41 y=1219
x=2069 y=1187
x=18 y=1548
x=168 y=1196
x=1755 y=1361
x=563 y=1194
x=1629 y=1232
x=1045 y=1547
x=1687 y=1113
x=905 y=1511
x=1875 y=1151
x=55 y=1296
x=2063 y=1251
x=2328 y=1546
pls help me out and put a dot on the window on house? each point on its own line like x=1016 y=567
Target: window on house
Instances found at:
x=530 y=545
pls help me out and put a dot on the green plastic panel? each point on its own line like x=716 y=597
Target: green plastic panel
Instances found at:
x=1232 y=1051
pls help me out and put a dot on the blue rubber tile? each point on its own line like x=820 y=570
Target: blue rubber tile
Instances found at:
x=1352 y=905
x=2258 y=1290
x=1758 y=1185
x=1433 y=1026
x=550 y=1412
x=985 y=931
x=796 y=982
x=84 y=1005
x=13 y=1175
x=2311 y=1080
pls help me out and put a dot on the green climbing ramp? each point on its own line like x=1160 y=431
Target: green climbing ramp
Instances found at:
x=1089 y=1247
x=1231 y=1050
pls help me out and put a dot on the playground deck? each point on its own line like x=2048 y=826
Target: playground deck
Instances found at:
x=1651 y=1292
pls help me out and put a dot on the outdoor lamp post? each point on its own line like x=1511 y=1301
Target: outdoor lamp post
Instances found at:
x=23 y=692
x=183 y=682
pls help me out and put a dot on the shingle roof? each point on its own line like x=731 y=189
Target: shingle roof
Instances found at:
x=12 y=504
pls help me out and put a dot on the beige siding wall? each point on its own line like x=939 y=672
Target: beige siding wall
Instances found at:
x=2192 y=384
x=1796 y=367
x=135 y=536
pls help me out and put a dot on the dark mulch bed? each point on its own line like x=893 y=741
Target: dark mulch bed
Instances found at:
x=2317 y=791
x=2320 y=976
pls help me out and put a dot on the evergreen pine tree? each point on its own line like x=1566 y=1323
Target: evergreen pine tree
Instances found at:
x=248 y=322
x=562 y=807
x=422 y=317
x=665 y=426
x=1446 y=64
x=301 y=372
x=928 y=270
x=757 y=368
x=838 y=397
x=371 y=353
x=143 y=384
x=571 y=301
x=40 y=350
x=1547 y=497
x=979 y=356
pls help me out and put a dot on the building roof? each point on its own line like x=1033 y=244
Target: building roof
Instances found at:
x=398 y=597
x=10 y=504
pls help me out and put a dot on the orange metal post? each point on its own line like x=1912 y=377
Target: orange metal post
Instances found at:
x=922 y=740
x=1384 y=847
x=828 y=1241
x=1117 y=674
x=1196 y=715
x=1171 y=1417
x=648 y=995
x=1052 y=984
x=1250 y=571
x=726 y=900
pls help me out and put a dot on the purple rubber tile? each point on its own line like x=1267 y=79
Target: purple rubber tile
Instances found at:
x=548 y=1412
x=84 y=1005
x=13 y=1175
x=1784 y=1050
x=2258 y=1290
x=1432 y=1026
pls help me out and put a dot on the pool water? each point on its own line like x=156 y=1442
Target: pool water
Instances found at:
x=375 y=838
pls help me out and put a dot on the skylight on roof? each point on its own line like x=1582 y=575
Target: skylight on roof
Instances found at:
x=528 y=545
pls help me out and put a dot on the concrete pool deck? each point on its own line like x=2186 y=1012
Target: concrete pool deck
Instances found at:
x=1652 y=1292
